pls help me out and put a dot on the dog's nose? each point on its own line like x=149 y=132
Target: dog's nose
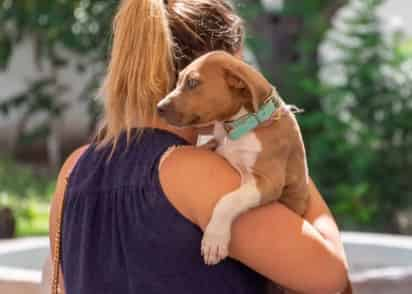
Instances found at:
x=168 y=111
x=161 y=110
x=165 y=108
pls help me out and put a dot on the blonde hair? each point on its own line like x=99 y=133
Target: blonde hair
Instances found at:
x=152 y=41
x=141 y=69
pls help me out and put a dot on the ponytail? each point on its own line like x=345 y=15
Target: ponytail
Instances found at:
x=141 y=69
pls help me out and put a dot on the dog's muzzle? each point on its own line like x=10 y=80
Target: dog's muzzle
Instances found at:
x=167 y=110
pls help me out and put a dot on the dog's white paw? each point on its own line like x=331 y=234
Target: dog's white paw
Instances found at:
x=215 y=245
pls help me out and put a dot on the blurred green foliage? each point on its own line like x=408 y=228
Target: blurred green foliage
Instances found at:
x=23 y=182
x=28 y=194
x=357 y=134
x=57 y=30
x=373 y=103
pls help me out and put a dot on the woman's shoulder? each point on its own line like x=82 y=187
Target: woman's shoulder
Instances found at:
x=69 y=164
x=198 y=160
x=65 y=171
x=58 y=196
x=194 y=179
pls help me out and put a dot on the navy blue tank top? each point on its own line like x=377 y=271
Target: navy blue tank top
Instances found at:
x=121 y=235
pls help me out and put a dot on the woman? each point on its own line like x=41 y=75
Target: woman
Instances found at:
x=130 y=226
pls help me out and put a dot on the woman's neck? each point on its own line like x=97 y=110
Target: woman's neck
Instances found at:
x=189 y=134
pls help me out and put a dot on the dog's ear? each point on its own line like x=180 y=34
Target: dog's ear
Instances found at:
x=242 y=76
x=234 y=81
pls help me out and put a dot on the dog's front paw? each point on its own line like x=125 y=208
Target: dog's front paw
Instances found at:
x=210 y=145
x=215 y=244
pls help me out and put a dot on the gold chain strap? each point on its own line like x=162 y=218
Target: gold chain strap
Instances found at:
x=56 y=250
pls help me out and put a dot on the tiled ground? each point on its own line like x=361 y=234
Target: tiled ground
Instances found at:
x=398 y=279
x=18 y=288
x=402 y=286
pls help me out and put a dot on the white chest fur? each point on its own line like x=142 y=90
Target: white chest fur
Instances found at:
x=242 y=154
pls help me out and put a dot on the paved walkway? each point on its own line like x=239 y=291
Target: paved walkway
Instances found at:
x=384 y=286
x=21 y=262
x=27 y=253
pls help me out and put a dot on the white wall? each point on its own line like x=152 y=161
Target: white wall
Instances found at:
x=399 y=10
x=21 y=70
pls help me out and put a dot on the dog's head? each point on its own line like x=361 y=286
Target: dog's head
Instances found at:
x=215 y=87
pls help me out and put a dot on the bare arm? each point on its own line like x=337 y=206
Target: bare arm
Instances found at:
x=320 y=217
x=57 y=201
x=305 y=255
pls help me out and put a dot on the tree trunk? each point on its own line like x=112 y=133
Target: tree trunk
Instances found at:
x=281 y=34
x=7 y=223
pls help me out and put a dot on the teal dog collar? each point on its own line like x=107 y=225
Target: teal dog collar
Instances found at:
x=240 y=127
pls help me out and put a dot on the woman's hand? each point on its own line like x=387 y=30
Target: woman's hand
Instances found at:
x=305 y=255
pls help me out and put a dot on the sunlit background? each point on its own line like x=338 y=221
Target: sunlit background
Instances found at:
x=347 y=63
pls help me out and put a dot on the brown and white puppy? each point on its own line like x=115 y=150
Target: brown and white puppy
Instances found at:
x=219 y=87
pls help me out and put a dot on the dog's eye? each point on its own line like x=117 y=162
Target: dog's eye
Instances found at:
x=192 y=83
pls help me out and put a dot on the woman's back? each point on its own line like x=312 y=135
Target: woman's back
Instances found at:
x=122 y=235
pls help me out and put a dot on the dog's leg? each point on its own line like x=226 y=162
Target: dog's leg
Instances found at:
x=210 y=145
x=297 y=204
x=219 y=135
x=215 y=243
